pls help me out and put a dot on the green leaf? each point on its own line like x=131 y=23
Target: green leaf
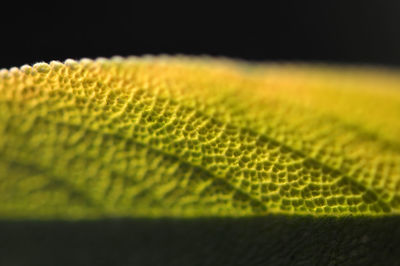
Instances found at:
x=197 y=137
x=200 y=138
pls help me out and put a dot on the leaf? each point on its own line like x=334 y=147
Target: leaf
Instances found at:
x=210 y=161
x=190 y=137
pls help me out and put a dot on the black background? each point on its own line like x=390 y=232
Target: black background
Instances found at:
x=330 y=31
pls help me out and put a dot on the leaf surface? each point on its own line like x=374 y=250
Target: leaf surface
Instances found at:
x=194 y=137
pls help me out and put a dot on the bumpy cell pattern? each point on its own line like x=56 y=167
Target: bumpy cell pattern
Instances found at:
x=181 y=136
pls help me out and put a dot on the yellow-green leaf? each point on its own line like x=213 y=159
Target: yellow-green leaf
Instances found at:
x=209 y=162
x=189 y=137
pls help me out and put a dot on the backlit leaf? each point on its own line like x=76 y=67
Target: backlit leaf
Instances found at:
x=190 y=137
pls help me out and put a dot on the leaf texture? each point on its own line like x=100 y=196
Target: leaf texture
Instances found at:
x=190 y=137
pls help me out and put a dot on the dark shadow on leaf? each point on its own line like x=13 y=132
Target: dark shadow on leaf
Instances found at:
x=270 y=240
